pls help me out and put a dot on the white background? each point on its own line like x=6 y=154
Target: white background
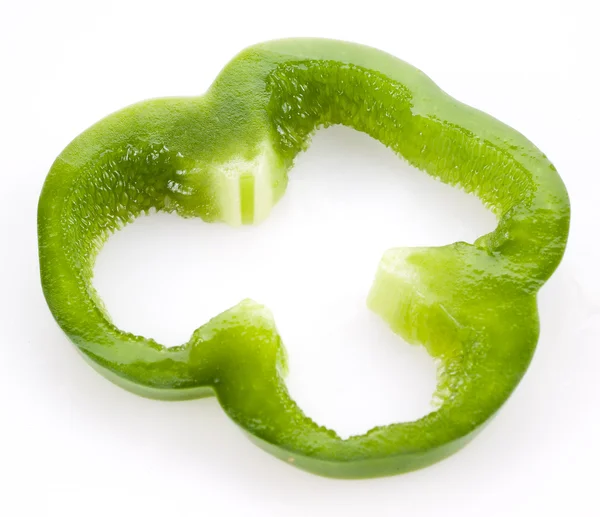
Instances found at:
x=71 y=443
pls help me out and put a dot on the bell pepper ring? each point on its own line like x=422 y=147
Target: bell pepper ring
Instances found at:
x=225 y=156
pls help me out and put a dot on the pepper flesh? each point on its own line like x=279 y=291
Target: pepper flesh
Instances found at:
x=224 y=156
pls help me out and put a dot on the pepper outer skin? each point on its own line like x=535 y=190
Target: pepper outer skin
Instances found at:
x=224 y=156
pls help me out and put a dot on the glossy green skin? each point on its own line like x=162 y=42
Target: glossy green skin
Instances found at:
x=473 y=306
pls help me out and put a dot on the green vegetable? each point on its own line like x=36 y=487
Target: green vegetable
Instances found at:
x=225 y=156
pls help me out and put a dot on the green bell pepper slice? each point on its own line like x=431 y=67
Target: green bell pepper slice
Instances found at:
x=224 y=156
